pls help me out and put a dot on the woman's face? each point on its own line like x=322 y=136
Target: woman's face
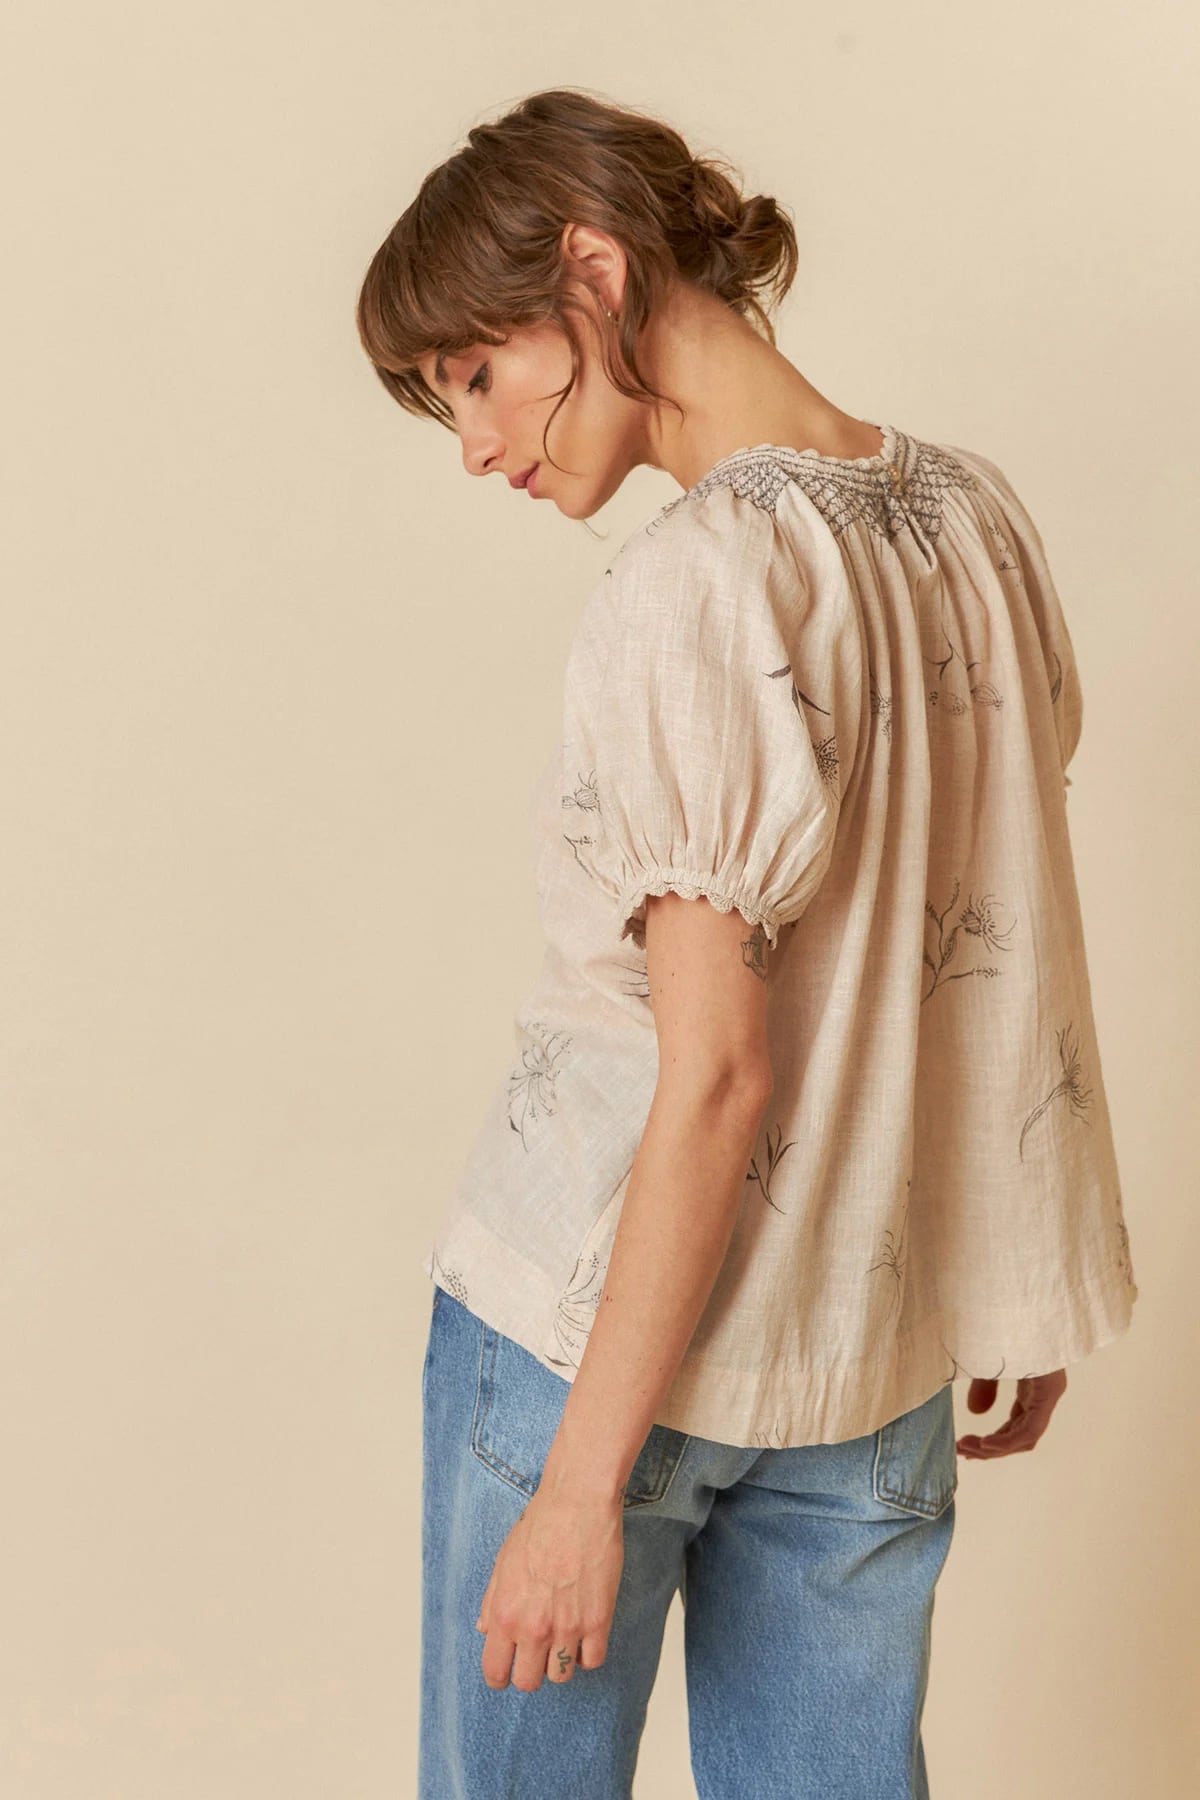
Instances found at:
x=502 y=396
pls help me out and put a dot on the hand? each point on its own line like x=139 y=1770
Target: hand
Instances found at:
x=553 y=1589
x=1036 y=1398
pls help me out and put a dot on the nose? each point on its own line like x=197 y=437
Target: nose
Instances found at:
x=483 y=456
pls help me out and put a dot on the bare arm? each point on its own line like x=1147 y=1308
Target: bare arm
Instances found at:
x=707 y=974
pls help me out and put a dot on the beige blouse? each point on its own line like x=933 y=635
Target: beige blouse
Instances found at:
x=841 y=696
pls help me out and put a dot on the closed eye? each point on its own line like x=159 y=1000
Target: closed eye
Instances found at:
x=471 y=385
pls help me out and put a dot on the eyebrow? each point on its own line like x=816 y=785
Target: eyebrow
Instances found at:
x=439 y=371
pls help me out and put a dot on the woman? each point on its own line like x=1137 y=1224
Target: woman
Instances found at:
x=806 y=1117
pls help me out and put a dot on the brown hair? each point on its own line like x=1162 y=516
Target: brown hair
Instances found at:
x=478 y=252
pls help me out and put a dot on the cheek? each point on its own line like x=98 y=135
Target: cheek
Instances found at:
x=540 y=374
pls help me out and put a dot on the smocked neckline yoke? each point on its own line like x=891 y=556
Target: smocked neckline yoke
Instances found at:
x=887 y=455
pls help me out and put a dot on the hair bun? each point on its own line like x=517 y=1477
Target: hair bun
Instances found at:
x=716 y=204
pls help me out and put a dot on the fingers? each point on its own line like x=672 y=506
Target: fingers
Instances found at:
x=1036 y=1398
x=1015 y=1435
x=497 y=1659
x=534 y=1663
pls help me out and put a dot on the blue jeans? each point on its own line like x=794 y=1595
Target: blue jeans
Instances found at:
x=807 y=1578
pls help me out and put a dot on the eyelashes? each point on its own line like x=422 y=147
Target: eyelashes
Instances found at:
x=476 y=380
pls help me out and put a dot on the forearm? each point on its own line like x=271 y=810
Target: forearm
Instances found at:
x=677 y=1218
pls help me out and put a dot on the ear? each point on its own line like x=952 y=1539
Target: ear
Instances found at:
x=595 y=256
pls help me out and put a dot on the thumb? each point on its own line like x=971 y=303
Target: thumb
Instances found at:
x=981 y=1395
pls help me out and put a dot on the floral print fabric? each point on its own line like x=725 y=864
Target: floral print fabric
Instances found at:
x=840 y=696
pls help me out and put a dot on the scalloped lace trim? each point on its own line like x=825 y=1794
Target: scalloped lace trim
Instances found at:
x=691 y=884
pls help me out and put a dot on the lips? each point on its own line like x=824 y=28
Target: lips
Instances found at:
x=523 y=479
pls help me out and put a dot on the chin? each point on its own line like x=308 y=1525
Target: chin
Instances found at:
x=577 y=506
x=588 y=506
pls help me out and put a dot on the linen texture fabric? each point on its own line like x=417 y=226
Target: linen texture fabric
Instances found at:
x=841 y=696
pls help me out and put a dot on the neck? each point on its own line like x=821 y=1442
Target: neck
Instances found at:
x=735 y=389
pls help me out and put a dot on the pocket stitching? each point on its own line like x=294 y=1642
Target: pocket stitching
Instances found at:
x=898 y=1497
x=652 y=1488
x=664 y=1474
x=488 y=1340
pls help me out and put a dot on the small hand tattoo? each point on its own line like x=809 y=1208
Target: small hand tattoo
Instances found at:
x=754 y=952
x=564 y=1660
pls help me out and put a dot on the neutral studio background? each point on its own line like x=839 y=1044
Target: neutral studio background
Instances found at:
x=278 y=677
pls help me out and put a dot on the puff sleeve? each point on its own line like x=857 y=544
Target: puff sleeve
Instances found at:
x=709 y=728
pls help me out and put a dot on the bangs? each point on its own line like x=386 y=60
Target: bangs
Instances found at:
x=409 y=308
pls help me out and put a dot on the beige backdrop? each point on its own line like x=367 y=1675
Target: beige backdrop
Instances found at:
x=277 y=680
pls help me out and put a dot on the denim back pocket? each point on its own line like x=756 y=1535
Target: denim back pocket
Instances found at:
x=916 y=1457
x=518 y=1407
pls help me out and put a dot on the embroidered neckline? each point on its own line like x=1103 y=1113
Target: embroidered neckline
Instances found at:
x=857 y=473
x=886 y=454
x=901 y=486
